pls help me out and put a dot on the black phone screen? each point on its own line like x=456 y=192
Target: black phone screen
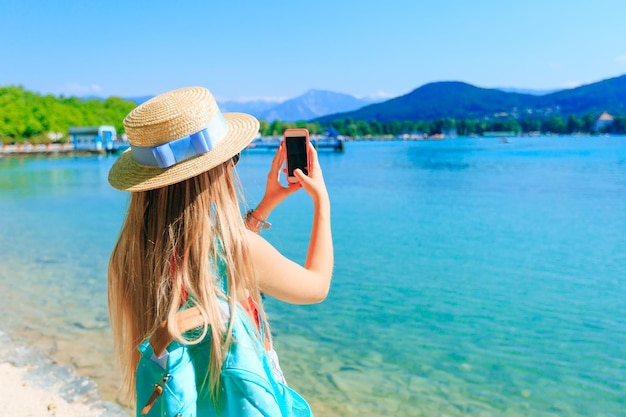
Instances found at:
x=296 y=154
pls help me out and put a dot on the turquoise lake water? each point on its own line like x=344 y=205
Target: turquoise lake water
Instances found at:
x=472 y=277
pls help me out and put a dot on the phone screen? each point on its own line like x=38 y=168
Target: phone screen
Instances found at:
x=296 y=154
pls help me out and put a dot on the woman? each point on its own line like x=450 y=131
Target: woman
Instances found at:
x=184 y=242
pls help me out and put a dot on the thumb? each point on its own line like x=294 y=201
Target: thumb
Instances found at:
x=305 y=180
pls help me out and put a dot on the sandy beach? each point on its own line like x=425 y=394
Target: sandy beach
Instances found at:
x=31 y=385
x=22 y=398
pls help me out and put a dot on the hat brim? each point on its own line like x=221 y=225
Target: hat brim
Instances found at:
x=127 y=175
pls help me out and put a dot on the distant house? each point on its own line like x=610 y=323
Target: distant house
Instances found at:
x=95 y=138
x=603 y=122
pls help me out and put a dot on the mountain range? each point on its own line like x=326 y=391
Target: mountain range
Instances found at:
x=460 y=100
x=438 y=100
x=310 y=105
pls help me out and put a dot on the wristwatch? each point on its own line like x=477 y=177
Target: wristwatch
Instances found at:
x=255 y=224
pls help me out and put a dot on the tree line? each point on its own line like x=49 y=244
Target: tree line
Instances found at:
x=462 y=127
x=27 y=116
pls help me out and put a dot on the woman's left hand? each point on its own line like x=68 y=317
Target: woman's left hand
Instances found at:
x=275 y=192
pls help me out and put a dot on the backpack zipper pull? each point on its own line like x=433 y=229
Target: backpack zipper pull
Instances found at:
x=158 y=390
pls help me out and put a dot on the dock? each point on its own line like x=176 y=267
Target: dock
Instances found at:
x=47 y=149
x=31 y=149
x=69 y=148
x=335 y=144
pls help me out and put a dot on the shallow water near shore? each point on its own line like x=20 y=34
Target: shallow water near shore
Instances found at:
x=472 y=278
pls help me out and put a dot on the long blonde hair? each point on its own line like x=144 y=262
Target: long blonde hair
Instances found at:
x=169 y=245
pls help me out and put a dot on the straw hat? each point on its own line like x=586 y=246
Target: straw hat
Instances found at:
x=178 y=135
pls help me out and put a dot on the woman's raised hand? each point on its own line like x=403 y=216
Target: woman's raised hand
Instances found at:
x=275 y=192
x=313 y=184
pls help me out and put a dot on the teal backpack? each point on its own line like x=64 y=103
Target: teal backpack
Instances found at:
x=166 y=384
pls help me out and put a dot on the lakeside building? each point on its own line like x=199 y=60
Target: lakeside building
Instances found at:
x=603 y=121
x=95 y=138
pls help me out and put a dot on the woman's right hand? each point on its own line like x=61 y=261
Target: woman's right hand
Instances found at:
x=314 y=183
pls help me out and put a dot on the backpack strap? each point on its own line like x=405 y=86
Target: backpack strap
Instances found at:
x=188 y=319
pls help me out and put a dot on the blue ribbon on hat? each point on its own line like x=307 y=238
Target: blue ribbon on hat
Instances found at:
x=181 y=149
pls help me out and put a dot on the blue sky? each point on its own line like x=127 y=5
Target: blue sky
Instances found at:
x=280 y=48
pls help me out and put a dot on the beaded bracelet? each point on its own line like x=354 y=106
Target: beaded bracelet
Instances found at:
x=254 y=223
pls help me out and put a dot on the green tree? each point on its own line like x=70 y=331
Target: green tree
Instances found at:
x=376 y=127
x=619 y=125
x=505 y=126
x=276 y=128
x=574 y=124
x=351 y=128
x=424 y=127
x=588 y=121
x=264 y=128
x=530 y=125
x=554 y=125
x=363 y=128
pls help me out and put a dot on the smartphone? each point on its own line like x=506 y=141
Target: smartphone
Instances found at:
x=297 y=153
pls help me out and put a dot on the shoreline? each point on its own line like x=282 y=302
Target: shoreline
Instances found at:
x=49 y=149
x=67 y=148
x=34 y=385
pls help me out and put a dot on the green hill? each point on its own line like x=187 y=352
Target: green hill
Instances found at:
x=607 y=95
x=458 y=100
x=25 y=115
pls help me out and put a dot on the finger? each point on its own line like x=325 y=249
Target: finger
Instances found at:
x=292 y=187
x=313 y=155
x=279 y=157
x=277 y=162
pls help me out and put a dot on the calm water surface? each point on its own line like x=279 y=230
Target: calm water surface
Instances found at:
x=472 y=277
